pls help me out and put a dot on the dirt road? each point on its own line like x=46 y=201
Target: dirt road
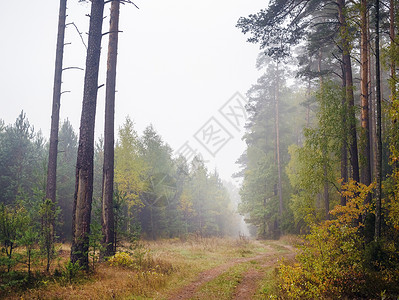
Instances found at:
x=250 y=280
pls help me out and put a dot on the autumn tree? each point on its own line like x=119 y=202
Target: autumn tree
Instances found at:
x=130 y=170
x=316 y=161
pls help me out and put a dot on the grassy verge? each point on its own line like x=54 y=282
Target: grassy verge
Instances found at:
x=167 y=266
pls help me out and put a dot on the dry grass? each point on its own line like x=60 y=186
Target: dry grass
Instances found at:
x=169 y=265
x=291 y=240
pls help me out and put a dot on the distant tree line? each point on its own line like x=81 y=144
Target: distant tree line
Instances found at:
x=156 y=195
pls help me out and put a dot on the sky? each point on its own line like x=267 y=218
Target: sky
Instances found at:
x=183 y=67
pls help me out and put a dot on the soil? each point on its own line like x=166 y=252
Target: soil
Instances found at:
x=249 y=284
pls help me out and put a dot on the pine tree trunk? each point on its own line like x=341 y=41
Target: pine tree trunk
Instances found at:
x=379 y=137
x=108 y=167
x=84 y=165
x=326 y=195
x=392 y=38
x=364 y=99
x=277 y=125
x=51 y=186
x=372 y=113
x=349 y=91
x=344 y=133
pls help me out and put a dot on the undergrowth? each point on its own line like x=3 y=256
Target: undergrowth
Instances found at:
x=337 y=262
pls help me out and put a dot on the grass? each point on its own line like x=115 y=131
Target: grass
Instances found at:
x=165 y=267
x=223 y=286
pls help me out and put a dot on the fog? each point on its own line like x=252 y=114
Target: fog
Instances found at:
x=179 y=63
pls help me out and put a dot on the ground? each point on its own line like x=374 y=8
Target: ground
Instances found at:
x=195 y=268
x=249 y=281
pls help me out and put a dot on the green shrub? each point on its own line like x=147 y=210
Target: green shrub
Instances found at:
x=71 y=271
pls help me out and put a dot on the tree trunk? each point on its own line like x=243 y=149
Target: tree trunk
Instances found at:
x=108 y=167
x=84 y=165
x=349 y=91
x=324 y=150
x=344 y=133
x=372 y=113
x=51 y=186
x=280 y=190
x=379 y=137
x=364 y=99
x=392 y=38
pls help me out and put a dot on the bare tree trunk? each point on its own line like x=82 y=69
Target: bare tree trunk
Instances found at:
x=349 y=91
x=326 y=195
x=379 y=137
x=364 y=99
x=84 y=165
x=372 y=113
x=108 y=167
x=280 y=189
x=392 y=37
x=51 y=186
x=344 y=133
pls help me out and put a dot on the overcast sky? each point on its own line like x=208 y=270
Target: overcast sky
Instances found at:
x=179 y=64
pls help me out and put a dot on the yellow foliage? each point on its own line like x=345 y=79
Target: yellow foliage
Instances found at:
x=121 y=259
x=129 y=166
x=331 y=263
x=355 y=194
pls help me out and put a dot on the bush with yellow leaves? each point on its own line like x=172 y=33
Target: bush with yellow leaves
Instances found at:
x=334 y=262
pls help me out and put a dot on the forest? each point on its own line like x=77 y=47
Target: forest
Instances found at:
x=122 y=216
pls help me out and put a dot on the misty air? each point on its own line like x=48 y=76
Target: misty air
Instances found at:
x=199 y=150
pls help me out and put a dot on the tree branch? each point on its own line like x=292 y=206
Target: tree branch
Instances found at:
x=123 y=2
x=334 y=185
x=72 y=68
x=336 y=57
x=105 y=33
x=80 y=34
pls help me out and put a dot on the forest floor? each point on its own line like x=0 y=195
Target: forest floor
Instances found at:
x=196 y=268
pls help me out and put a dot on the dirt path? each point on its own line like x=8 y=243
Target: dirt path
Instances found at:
x=247 y=287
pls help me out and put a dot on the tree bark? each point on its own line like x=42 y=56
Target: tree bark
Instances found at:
x=84 y=165
x=344 y=133
x=372 y=112
x=392 y=38
x=51 y=186
x=379 y=137
x=364 y=98
x=108 y=167
x=349 y=91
